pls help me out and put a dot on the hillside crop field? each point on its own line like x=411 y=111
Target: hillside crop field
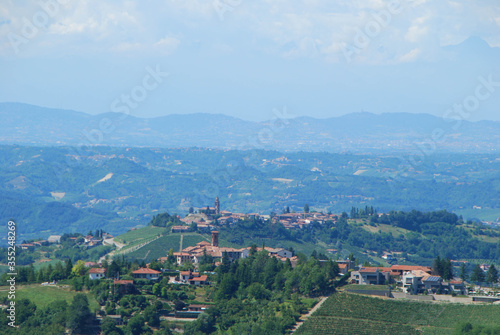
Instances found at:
x=42 y=296
x=160 y=247
x=355 y=314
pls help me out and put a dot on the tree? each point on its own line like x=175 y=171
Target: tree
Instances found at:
x=79 y=268
x=437 y=266
x=113 y=270
x=135 y=325
x=477 y=275
x=151 y=316
x=108 y=327
x=68 y=267
x=306 y=208
x=191 y=210
x=447 y=269
x=492 y=275
x=24 y=310
x=79 y=315
x=193 y=227
x=463 y=272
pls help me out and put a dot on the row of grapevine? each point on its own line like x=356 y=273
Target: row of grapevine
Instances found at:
x=355 y=314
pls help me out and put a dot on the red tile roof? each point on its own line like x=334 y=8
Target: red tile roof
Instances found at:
x=200 y=278
x=123 y=282
x=146 y=271
x=410 y=268
x=97 y=270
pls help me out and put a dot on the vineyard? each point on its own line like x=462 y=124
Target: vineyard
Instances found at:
x=161 y=246
x=355 y=314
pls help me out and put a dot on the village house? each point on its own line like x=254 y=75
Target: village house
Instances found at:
x=370 y=276
x=457 y=287
x=183 y=258
x=179 y=229
x=184 y=276
x=146 y=273
x=418 y=281
x=97 y=273
x=197 y=281
x=398 y=270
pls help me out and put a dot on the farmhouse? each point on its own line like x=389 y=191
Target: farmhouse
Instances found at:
x=201 y=280
x=146 y=273
x=97 y=273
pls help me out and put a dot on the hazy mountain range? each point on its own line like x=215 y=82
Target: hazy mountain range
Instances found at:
x=25 y=124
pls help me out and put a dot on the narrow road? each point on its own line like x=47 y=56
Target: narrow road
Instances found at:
x=111 y=241
x=305 y=317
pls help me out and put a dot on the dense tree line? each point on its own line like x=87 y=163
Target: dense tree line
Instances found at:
x=164 y=220
x=430 y=234
x=54 y=319
x=260 y=294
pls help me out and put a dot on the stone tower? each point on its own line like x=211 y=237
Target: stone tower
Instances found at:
x=217 y=206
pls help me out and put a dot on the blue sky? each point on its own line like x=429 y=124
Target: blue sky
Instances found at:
x=245 y=58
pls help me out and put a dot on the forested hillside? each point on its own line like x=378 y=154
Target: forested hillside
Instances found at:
x=56 y=190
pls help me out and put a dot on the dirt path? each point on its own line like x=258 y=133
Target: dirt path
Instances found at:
x=305 y=317
x=119 y=246
x=111 y=241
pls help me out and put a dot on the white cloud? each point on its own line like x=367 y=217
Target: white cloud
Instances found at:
x=167 y=45
x=418 y=30
x=410 y=56
x=307 y=28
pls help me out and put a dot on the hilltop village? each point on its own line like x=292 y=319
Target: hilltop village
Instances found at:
x=208 y=218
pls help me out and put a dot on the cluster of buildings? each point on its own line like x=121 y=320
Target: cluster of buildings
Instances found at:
x=301 y=220
x=195 y=254
x=209 y=218
x=414 y=279
x=142 y=273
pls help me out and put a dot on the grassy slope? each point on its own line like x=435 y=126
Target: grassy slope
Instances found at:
x=350 y=313
x=139 y=235
x=44 y=295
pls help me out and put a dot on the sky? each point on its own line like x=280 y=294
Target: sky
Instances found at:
x=248 y=58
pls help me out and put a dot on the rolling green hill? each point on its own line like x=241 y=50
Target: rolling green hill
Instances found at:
x=52 y=190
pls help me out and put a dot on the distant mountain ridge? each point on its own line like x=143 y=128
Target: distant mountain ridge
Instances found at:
x=25 y=124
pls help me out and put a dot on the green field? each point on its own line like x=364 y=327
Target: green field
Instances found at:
x=161 y=246
x=354 y=314
x=482 y=214
x=139 y=235
x=385 y=228
x=44 y=295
